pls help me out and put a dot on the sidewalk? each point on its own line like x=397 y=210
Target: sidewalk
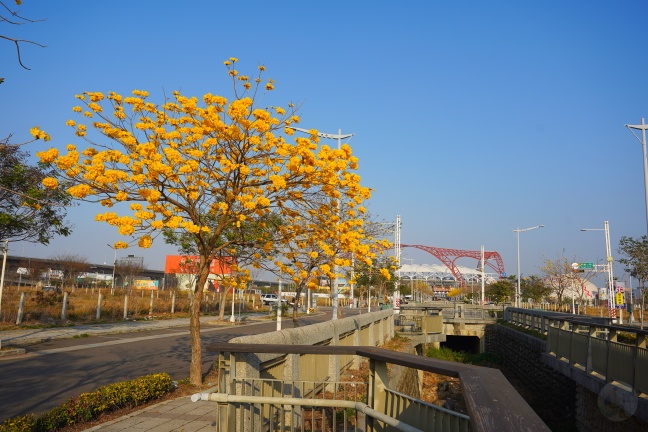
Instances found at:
x=181 y=414
x=177 y=415
x=29 y=336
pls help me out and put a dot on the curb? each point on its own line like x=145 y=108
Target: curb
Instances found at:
x=7 y=352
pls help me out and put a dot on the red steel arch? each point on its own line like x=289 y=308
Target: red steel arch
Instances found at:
x=449 y=256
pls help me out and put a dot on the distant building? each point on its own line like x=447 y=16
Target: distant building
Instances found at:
x=181 y=272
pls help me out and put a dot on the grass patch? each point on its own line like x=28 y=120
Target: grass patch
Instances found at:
x=485 y=359
x=530 y=332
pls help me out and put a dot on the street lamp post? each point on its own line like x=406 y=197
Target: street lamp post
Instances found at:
x=334 y=288
x=610 y=261
x=4 y=250
x=518 y=289
x=483 y=277
x=642 y=127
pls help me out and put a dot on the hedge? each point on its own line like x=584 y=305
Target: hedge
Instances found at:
x=89 y=406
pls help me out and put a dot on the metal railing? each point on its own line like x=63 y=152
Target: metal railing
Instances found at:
x=422 y=415
x=591 y=345
x=291 y=405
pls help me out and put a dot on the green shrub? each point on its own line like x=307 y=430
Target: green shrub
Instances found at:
x=483 y=359
x=23 y=423
x=627 y=338
x=88 y=406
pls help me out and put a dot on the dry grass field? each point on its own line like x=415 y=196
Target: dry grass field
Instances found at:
x=45 y=308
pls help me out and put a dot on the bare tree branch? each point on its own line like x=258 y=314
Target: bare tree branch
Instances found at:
x=18 y=20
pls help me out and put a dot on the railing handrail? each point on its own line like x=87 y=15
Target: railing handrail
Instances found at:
x=431 y=405
x=591 y=348
x=493 y=404
x=333 y=403
x=580 y=320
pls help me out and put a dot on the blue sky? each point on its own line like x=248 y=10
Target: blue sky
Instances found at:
x=470 y=118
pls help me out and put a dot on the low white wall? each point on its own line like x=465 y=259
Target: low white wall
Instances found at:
x=374 y=328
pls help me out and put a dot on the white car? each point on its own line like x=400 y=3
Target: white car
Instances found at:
x=270 y=299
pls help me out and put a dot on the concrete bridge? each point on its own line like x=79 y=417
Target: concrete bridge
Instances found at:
x=292 y=380
x=581 y=373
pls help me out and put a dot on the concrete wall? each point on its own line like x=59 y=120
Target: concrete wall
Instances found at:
x=559 y=400
x=366 y=329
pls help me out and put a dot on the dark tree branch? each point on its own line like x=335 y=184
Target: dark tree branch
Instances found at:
x=20 y=21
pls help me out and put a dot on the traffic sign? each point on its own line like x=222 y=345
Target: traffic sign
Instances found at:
x=581 y=267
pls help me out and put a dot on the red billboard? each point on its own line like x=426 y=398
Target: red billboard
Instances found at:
x=188 y=264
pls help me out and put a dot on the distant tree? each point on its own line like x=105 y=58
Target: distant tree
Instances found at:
x=423 y=287
x=559 y=276
x=72 y=266
x=379 y=276
x=635 y=252
x=455 y=292
x=28 y=210
x=534 y=288
x=128 y=269
x=501 y=291
x=635 y=260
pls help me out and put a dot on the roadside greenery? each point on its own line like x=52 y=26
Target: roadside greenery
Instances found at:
x=29 y=211
x=530 y=332
x=483 y=359
x=89 y=406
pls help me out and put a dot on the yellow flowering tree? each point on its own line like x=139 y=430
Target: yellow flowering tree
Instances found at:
x=201 y=167
x=323 y=237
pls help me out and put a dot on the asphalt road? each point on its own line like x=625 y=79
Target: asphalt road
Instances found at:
x=52 y=372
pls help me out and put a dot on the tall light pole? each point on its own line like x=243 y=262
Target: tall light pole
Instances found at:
x=610 y=261
x=483 y=276
x=4 y=250
x=334 y=288
x=642 y=127
x=518 y=289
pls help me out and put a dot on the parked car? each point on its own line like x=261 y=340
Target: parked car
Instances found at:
x=51 y=288
x=270 y=299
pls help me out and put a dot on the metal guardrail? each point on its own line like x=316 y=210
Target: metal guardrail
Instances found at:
x=492 y=403
x=452 y=310
x=311 y=406
x=423 y=415
x=592 y=345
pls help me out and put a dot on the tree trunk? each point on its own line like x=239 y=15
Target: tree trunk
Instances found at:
x=221 y=312
x=195 y=370
x=296 y=302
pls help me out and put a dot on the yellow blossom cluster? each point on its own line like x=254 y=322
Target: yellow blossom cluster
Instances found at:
x=39 y=134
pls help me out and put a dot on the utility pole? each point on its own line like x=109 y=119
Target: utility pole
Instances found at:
x=5 y=249
x=642 y=127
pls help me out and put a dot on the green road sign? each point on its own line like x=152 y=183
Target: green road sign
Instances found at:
x=586 y=265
